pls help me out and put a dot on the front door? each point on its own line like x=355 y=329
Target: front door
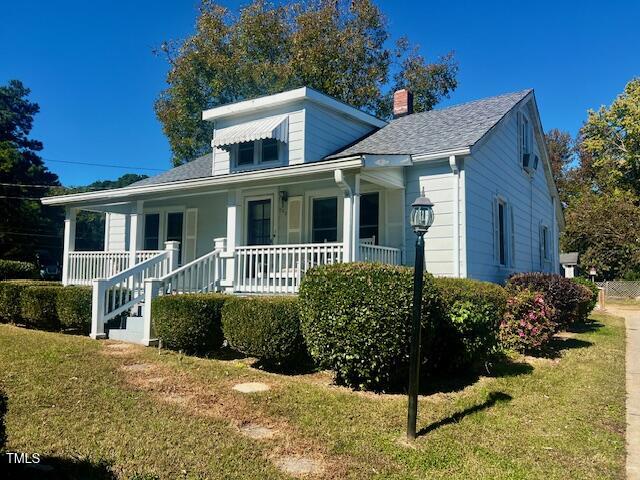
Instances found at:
x=259 y=222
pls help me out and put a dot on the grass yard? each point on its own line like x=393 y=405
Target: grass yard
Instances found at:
x=105 y=410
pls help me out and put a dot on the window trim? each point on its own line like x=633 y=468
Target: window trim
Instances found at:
x=257 y=156
x=545 y=244
x=312 y=202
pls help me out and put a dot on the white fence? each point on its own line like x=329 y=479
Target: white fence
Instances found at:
x=280 y=268
x=620 y=288
x=380 y=254
x=84 y=267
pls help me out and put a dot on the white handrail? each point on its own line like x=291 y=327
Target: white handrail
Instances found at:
x=380 y=254
x=84 y=267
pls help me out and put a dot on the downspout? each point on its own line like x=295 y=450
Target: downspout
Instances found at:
x=456 y=214
x=338 y=176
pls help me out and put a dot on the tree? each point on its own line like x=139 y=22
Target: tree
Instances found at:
x=561 y=152
x=605 y=229
x=338 y=47
x=25 y=226
x=611 y=138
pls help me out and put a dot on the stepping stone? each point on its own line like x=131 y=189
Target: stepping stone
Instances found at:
x=251 y=387
x=298 y=465
x=257 y=432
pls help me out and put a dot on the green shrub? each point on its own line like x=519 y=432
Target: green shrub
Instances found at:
x=264 y=327
x=3 y=412
x=475 y=310
x=564 y=295
x=356 y=317
x=189 y=323
x=528 y=322
x=38 y=307
x=10 y=305
x=10 y=269
x=591 y=298
x=73 y=305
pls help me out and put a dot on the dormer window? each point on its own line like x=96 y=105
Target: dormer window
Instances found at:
x=269 y=150
x=256 y=153
x=246 y=152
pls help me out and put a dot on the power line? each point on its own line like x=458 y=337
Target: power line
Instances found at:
x=27 y=185
x=125 y=167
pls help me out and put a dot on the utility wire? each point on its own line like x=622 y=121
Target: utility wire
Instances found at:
x=126 y=167
x=27 y=185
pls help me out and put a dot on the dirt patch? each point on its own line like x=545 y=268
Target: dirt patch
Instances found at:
x=251 y=387
x=137 y=367
x=299 y=466
x=257 y=432
x=541 y=361
x=119 y=349
x=564 y=335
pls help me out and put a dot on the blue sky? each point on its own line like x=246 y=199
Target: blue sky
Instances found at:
x=90 y=65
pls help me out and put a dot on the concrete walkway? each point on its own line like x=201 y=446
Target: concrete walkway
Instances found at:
x=632 y=322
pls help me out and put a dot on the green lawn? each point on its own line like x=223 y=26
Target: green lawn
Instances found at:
x=172 y=416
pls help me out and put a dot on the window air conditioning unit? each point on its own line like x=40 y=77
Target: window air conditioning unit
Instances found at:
x=530 y=162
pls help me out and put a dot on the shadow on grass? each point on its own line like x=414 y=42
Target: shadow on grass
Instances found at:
x=557 y=345
x=57 y=468
x=301 y=365
x=494 y=397
x=586 y=327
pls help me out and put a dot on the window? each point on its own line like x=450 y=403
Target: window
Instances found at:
x=369 y=212
x=269 y=150
x=151 y=231
x=325 y=220
x=245 y=153
x=174 y=230
x=544 y=243
x=526 y=135
x=259 y=222
x=502 y=234
x=255 y=153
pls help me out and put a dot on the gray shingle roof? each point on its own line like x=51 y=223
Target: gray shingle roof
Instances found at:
x=198 y=168
x=458 y=126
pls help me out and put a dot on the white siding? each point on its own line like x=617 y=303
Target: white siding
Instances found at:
x=116 y=231
x=495 y=169
x=327 y=131
x=437 y=181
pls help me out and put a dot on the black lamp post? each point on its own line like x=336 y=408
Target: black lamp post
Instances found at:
x=421 y=220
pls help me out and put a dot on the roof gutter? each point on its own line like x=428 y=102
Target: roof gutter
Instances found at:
x=458 y=152
x=184 y=185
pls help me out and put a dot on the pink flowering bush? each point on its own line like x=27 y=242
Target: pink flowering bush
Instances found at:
x=528 y=323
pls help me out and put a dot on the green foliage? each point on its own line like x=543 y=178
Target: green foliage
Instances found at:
x=73 y=305
x=27 y=225
x=604 y=229
x=355 y=320
x=475 y=310
x=264 y=327
x=340 y=48
x=564 y=295
x=38 y=307
x=10 y=269
x=3 y=412
x=528 y=324
x=10 y=291
x=189 y=323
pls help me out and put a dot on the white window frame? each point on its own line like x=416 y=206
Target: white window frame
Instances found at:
x=509 y=239
x=545 y=243
x=274 y=214
x=162 y=227
x=257 y=156
x=526 y=134
x=309 y=196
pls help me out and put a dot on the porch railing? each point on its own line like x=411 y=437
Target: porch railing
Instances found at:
x=380 y=254
x=84 y=267
x=280 y=268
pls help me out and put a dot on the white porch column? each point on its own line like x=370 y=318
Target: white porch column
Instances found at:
x=173 y=249
x=232 y=240
x=347 y=230
x=355 y=222
x=151 y=290
x=69 y=244
x=135 y=231
x=456 y=214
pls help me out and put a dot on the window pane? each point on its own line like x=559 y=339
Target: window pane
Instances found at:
x=501 y=234
x=269 y=150
x=369 y=213
x=245 y=153
x=174 y=230
x=151 y=231
x=325 y=220
x=259 y=222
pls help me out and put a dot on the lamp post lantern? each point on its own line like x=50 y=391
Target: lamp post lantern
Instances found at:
x=421 y=219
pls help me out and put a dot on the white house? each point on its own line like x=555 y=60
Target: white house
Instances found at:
x=298 y=179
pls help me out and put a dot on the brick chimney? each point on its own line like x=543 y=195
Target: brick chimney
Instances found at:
x=402 y=103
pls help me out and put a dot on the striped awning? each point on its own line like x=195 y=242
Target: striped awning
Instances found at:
x=270 y=127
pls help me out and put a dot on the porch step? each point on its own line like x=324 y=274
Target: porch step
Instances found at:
x=132 y=333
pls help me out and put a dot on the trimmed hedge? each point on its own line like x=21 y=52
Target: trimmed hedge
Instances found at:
x=564 y=295
x=3 y=412
x=10 y=292
x=264 y=327
x=475 y=310
x=189 y=323
x=73 y=306
x=38 y=307
x=12 y=269
x=591 y=300
x=356 y=317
